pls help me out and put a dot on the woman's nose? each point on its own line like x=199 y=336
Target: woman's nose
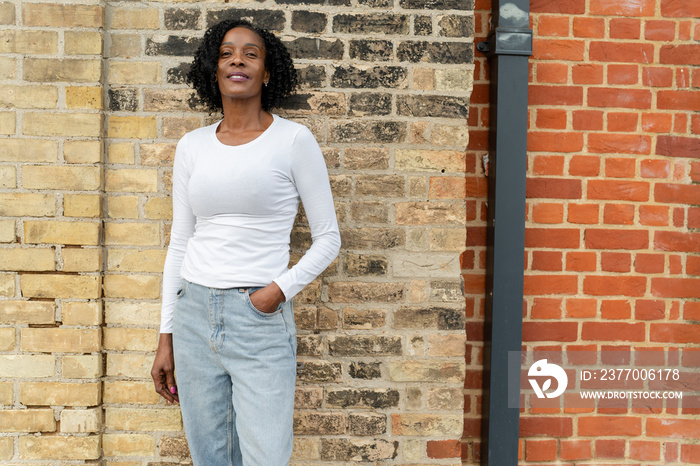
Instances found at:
x=237 y=59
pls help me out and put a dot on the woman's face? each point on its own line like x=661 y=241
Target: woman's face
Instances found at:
x=241 y=68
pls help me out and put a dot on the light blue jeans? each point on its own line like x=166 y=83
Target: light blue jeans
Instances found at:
x=235 y=368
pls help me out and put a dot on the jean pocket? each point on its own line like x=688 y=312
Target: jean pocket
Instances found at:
x=183 y=288
x=258 y=311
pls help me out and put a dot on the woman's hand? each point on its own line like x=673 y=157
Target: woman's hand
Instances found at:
x=163 y=371
x=267 y=299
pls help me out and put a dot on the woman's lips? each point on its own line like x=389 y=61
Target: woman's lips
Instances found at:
x=237 y=76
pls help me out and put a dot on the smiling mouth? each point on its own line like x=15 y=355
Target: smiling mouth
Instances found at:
x=237 y=76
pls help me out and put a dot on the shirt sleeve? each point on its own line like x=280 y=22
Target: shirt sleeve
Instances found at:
x=181 y=231
x=310 y=176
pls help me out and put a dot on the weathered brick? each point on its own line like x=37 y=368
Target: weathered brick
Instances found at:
x=363 y=398
x=369 y=103
x=372 y=238
x=16 y=365
x=438 y=4
x=89 y=97
x=7 y=231
x=28 y=42
x=135 y=260
x=82 y=205
x=81 y=367
x=59 y=447
x=370 y=23
x=316 y=103
x=60 y=393
x=136 y=234
x=369 y=77
x=57 y=15
x=340 y=449
x=371 y=50
x=309 y=22
x=29 y=96
x=68 y=124
x=82 y=151
x=132 y=286
x=145 y=420
x=124 y=45
x=125 y=391
x=130 y=339
x=134 y=72
x=74 y=70
x=27 y=259
x=181 y=18
x=60 y=286
x=418 y=265
x=311 y=48
x=319 y=372
x=55 y=232
x=6 y=395
x=433 y=213
x=183 y=46
x=7 y=338
x=319 y=423
x=27 y=312
x=311 y=76
x=426 y=424
x=132 y=127
x=27 y=420
x=81 y=313
x=176 y=127
x=130 y=181
x=174 y=446
x=8 y=67
x=456 y=26
x=380 y=185
x=433 y=370
x=129 y=365
x=7 y=13
x=82 y=42
x=81 y=421
x=368 y=131
x=435 y=52
x=64 y=178
x=7 y=284
x=134 y=18
x=272 y=20
x=367 y=424
x=125 y=313
x=128 y=445
x=429 y=160
x=157 y=154
x=358 y=345
x=63 y=340
x=8 y=123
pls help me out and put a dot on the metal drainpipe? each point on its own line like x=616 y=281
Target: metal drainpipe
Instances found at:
x=508 y=47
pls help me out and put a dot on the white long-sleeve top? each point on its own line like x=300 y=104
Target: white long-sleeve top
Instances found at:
x=234 y=208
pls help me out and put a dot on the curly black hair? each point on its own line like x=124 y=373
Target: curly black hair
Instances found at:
x=202 y=74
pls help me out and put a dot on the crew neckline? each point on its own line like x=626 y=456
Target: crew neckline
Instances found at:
x=253 y=141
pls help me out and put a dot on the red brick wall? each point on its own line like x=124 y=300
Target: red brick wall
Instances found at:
x=613 y=216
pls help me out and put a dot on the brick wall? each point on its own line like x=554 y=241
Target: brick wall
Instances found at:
x=92 y=105
x=613 y=220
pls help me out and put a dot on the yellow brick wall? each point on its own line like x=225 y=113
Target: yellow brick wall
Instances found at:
x=91 y=108
x=51 y=169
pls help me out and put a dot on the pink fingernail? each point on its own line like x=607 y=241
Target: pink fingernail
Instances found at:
x=172 y=390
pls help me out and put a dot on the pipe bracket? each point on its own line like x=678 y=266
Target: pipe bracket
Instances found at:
x=508 y=41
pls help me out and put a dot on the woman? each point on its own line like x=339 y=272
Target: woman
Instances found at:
x=227 y=326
